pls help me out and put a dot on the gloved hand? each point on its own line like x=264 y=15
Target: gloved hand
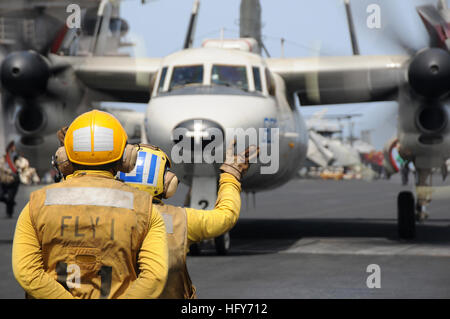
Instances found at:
x=237 y=165
x=61 y=134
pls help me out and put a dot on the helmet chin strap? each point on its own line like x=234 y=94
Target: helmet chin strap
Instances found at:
x=157 y=199
x=59 y=176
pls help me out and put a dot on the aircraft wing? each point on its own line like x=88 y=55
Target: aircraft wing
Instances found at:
x=122 y=79
x=345 y=79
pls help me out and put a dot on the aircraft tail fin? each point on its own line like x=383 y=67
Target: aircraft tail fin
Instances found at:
x=250 y=21
x=99 y=39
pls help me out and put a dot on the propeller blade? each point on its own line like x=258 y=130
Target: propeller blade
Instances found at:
x=435 y=25
x=191 y=28
x=408 y=35
x=351 y=27
x=401 y=42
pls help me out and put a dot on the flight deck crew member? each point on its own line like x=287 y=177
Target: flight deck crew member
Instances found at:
x=9 y=178
x=187 y=225
x=92 y=236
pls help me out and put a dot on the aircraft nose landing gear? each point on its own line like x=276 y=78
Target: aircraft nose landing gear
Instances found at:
x=222 y=244
x=203 y=195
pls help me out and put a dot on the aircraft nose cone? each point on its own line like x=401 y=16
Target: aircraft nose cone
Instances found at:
x=429 y=72
x=25 y=73
x=198 y=133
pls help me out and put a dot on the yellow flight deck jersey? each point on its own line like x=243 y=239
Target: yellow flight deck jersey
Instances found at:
x=90 y=236
x=187 y=225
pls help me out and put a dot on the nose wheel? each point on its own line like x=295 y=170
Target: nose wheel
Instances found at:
x=222 y=244
x=406 y=222
x=194 y=250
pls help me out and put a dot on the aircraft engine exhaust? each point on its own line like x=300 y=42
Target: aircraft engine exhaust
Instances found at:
x=30 y=120
x=432 y=119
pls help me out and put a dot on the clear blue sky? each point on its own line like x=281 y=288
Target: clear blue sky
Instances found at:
x=309 y=27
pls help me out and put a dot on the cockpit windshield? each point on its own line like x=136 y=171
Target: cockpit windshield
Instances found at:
x=234 y=76
x=186 y=75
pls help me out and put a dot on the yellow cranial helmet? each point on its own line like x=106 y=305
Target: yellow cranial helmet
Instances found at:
x=95 y=138
x=151 y=172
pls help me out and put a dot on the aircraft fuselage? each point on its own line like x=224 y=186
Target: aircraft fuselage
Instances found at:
x=230 y=91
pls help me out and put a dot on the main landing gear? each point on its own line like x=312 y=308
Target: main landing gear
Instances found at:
x=410 y=211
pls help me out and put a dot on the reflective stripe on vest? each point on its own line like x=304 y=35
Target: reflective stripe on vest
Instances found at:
x=93 y=196
x=168 y=221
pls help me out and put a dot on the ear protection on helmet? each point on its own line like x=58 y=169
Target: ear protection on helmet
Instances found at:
x=129 y=158
x=170 y=184
x=61 y=162
x=152 y=172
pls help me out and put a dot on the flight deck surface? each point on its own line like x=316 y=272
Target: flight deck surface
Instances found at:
x=309 y=239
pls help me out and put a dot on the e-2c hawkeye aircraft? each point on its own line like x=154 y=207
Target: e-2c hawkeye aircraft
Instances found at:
x=228 y=84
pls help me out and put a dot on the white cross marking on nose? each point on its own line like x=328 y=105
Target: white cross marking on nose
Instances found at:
x=198 y=133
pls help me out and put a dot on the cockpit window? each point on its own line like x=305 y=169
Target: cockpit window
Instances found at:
x=185 y=75
x=235 y=76
x=257 y=79
x=162 y=78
